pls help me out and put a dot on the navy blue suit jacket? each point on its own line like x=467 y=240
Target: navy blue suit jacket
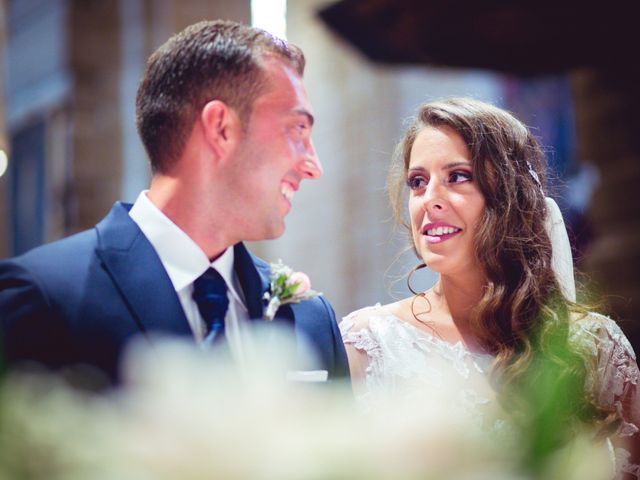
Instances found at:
x=81 y=299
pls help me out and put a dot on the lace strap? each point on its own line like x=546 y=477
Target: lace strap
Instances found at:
x=360 y=338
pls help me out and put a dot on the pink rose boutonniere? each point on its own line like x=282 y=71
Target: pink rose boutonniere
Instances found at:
x=287 y=286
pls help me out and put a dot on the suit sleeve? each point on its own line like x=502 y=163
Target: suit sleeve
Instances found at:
x=30 y=329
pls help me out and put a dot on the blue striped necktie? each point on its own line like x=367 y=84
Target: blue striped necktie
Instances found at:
x=210 y=294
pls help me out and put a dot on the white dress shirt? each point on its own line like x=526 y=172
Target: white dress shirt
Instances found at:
x=184 y=262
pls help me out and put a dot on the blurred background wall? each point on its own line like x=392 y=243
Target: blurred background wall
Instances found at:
x=70 y=72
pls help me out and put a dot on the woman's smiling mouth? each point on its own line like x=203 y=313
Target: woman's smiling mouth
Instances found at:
x=439 y=232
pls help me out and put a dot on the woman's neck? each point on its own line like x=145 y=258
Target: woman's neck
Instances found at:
x=456 y=298
x=459 y=296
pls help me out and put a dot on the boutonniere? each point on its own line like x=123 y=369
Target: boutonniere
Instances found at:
x=287 y=286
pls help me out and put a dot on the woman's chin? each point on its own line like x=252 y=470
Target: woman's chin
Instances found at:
x=436 y=263
x=445 y=264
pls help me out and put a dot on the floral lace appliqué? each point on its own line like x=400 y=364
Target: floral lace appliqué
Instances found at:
x=400 y=354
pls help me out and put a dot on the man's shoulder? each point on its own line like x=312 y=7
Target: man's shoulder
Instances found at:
x=56 y=253
x=60 y=257
x=315 y=311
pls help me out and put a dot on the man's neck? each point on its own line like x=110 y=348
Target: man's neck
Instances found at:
x=182 y=205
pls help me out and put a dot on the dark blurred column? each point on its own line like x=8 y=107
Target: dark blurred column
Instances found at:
x=608 y=121
x=4 y=182
x=95 y=60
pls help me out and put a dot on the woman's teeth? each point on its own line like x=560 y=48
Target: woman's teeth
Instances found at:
x=442 y=231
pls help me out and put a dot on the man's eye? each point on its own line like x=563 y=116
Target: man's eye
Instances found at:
x=416 y=182
x=460 y=177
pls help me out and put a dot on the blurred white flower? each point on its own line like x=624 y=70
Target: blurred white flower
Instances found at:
x=189 y=414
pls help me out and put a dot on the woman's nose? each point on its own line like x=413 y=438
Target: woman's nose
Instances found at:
x=434 y=197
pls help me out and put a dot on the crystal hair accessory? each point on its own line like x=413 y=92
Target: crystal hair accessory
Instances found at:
x=535 y=176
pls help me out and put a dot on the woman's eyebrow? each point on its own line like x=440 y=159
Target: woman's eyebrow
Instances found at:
x=448 y=166
x=451 y=165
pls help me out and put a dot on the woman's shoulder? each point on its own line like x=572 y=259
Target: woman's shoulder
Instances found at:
x=360 y=320
x=610 y=357
x=612 y=373
x=595 y=333
x=593 y=321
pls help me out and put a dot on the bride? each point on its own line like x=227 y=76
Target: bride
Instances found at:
x=505 y=299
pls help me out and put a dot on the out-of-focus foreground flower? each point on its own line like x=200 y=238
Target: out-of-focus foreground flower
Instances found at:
x=186 y=414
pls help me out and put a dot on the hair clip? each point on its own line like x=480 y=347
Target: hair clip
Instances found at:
x=535 y=176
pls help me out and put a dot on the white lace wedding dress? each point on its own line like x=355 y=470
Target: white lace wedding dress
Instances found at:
x=396 y=357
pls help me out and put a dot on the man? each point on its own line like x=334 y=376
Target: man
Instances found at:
x=225 y=119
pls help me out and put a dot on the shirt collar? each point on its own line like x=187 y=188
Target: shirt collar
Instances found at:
x=181 y=257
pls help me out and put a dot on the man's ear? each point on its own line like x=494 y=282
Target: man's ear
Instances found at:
x=221 y=127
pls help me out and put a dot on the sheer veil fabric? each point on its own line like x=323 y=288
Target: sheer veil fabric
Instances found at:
x=561 y=259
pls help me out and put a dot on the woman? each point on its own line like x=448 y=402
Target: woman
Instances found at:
x=502 y=314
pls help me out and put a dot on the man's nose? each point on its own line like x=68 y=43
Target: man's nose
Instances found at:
x=310 y=165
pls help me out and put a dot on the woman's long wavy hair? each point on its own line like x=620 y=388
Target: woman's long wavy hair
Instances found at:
x=522 y=311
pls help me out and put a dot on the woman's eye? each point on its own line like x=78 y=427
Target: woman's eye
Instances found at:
x=460 y=177
x=416 y=182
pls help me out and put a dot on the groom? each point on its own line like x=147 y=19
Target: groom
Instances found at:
x=226 y=123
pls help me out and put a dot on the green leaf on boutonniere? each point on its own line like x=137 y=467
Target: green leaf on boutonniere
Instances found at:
x=286 y=286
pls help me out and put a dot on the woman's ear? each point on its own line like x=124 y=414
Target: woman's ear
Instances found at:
x=221 y=127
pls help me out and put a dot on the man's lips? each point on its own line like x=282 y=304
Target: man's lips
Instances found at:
x=439 y=231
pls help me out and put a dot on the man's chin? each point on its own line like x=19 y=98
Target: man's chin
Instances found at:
x=271 y=233
x=278 y=232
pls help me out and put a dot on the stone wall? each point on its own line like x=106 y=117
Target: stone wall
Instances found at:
x=95 y=65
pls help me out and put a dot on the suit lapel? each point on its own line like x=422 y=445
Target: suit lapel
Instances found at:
x=138 y=274
x=253 y=275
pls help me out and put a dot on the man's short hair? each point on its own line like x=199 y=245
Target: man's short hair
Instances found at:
x=210 y=60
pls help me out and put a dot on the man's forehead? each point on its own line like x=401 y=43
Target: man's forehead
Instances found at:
x=278 y=71
x=284 y=86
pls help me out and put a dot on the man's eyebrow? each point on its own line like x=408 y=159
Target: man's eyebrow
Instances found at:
x=306 y=113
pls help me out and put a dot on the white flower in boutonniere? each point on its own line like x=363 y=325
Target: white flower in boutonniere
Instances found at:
x=287 y=286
